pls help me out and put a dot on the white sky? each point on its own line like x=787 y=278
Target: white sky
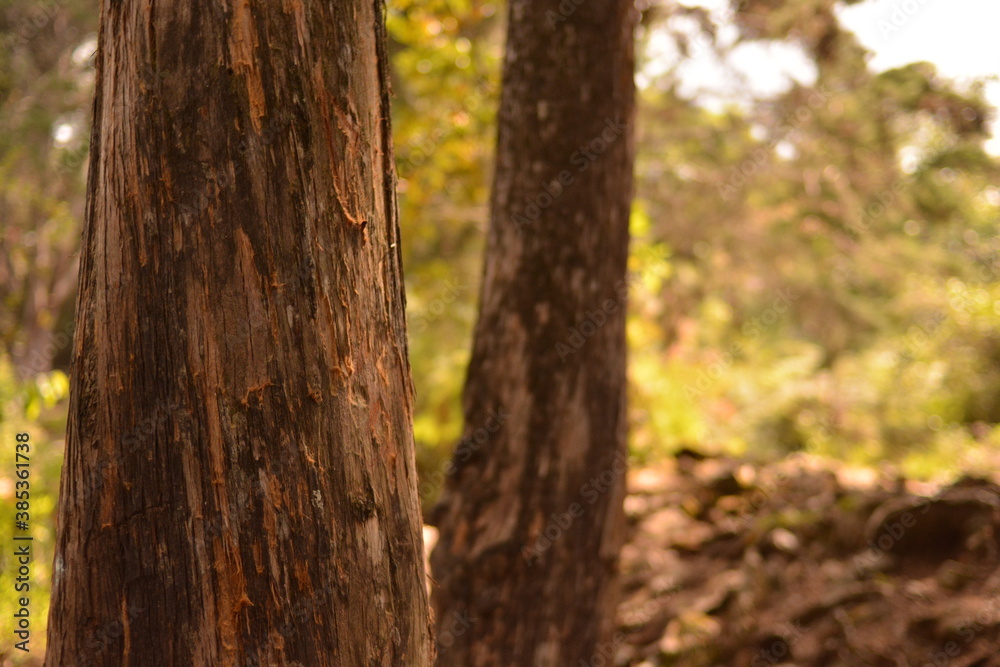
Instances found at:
x=959 y=36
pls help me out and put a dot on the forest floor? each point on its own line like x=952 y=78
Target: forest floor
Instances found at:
x=807 y=561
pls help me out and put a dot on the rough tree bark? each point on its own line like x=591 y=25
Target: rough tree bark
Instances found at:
x=239 y=485
x=530 y=519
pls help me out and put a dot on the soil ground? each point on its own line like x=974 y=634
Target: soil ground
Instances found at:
x=807 y=562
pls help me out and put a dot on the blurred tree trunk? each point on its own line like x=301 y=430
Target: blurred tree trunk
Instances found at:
x=531 y=519
x=239 y=485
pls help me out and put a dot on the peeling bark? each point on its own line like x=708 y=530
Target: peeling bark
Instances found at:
x=239 y=485
x=531 y=520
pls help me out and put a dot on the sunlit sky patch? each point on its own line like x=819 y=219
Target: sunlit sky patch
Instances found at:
x=957 y=36
x=63 y=133
x=759 y=69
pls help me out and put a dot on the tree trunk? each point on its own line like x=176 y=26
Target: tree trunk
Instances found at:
x=239 y=485
x=531 y=519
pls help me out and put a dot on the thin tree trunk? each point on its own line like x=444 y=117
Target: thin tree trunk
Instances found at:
x=531 y=520
x=239 y=485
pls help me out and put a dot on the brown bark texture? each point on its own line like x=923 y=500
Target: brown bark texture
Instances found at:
x=531 y=519
x=239 y=484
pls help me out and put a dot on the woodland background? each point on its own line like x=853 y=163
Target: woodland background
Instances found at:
x=816 y=268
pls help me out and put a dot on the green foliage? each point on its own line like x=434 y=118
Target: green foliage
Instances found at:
x=36 y=407
x=46 y=84
x=878 y=220
x=446 y=62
